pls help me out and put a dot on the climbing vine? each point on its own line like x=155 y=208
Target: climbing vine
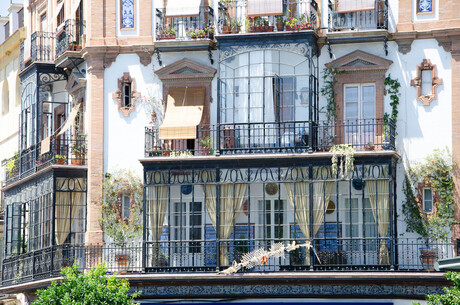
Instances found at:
x=115 y=186
x=328 y=92
x=435 y=170
x=392 y=86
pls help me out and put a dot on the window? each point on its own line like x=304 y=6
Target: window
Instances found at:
x=427 y=200
x=7 y=30
x=359 y=113
x=186 y=226
x=125 y=206
x=126 y=96
x=272 y=220
x=426 y=82
x=5 y=97
x=60 y=13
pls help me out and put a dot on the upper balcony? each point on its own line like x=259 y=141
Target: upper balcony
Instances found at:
x=274 y=137
x=62 y=151
x=42 y=49
x=70 y=40
x=357 y=16
x=271 y=16
x=184 y=27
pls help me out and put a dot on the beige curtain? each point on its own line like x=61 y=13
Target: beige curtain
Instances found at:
x=231 y=198
x=157 y=200
x=347 y=6
x=68 y=201
x=378 y=192
x=321 y=195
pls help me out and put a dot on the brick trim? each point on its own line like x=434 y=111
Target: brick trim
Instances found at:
x=417 y=82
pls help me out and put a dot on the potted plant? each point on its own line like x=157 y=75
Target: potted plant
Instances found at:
x=436 y=172
x=206 y=144
x=236 y=26
x=280 y=23
x=369 y=146
x=122 y=230
x=79 y=149
x=59 y=159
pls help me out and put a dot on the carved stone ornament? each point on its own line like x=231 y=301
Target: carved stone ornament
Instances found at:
x=118 y=95
x=417 y=82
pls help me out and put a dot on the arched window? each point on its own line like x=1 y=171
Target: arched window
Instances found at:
x=5 y=97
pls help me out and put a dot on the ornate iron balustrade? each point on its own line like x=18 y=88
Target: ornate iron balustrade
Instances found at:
x=297 y=15
x=43 y=46
x=274 y=137
x=342 y=18
x=357 y=254
x=179 y=27
x=70 y=37
x=63 y=151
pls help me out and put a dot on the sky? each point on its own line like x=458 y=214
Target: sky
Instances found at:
x=5 y=4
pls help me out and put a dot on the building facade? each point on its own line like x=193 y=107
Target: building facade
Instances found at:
x=226 y=111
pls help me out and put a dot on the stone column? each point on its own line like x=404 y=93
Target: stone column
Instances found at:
x=95 y=127
x=456 y=138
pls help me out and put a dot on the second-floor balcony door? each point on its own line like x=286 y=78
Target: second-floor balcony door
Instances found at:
x=359 y=112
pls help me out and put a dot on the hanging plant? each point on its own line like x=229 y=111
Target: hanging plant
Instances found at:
x=345 y=153
x=436 y=171
x=115 y=186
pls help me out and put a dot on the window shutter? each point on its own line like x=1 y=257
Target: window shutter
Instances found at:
x=348 y=6
x=258 y=8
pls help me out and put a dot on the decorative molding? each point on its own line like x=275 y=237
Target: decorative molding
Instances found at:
x=118 y=95
x=145 y=58
x=404 y=45
x=186 y=69
x=359 y=61
x=76 y=86
x=417 y=82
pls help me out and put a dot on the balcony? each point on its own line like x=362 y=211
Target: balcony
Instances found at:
x=70 y=40
x=63 y=151
x=293 y=15
x=42 y=49
x=346 y=15
x=178 y=28
x=140 y=258
x=289 y=137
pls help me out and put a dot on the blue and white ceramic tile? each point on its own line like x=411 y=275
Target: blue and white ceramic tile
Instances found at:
x=127 y=14
x=425 y=6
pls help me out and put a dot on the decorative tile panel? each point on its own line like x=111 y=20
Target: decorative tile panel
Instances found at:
x=127 y=14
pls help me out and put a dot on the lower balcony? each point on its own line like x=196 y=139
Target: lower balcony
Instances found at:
x=200 y=256
x=346 y=15
x=62 y=151
x=275 y=137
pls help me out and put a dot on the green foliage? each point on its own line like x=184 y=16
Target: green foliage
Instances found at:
x=94 y=287
x=122 y=230
x=451 y=296
x=328 y=92
x=346 y=154
x=392 y=86
x=12 y=166
x=436 y=170
x=79 y=146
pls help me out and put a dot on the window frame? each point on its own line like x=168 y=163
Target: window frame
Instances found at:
x=424 y=200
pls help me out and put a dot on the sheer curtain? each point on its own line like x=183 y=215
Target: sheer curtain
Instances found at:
x=378 y=192
x=231 y=198
x=157 y=200
x=68 y=201
x=321 y=194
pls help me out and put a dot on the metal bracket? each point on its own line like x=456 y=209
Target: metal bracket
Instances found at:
x=157 y=52
x=329 y=49
x=210 y=55
x=385 y=45
x=76 y=67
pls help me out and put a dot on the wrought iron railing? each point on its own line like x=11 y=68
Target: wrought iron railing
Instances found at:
x=62 y=151
x=185 y=27
x=43 y=46
x=275 y=137
x=358 y=17
x=70 y=37
x=346 y=254
x=296 y=16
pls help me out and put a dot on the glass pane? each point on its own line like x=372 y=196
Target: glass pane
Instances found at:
x=351 y=110
x=368 y=110
x=427 y=200
x=368 y=93
x=426 y=82
x=351 y=93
